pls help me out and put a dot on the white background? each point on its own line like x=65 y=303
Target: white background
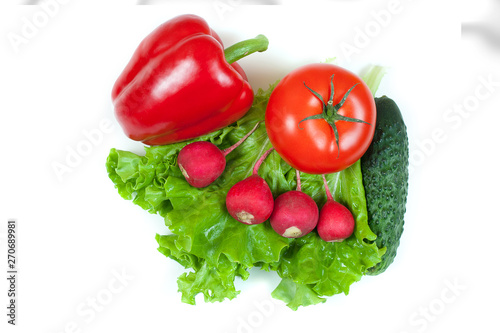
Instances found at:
x=76 y=234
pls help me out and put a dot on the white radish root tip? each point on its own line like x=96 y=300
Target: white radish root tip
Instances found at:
x=292 y=232
x=184 y=173
x=245 y=217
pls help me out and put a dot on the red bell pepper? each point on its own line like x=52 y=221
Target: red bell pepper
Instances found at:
x=180 y=83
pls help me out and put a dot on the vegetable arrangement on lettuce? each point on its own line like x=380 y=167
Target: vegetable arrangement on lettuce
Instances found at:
x=232 y=202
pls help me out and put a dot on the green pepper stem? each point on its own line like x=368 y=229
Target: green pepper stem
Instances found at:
x=246 y=47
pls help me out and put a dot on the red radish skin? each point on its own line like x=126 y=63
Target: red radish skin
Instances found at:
x=251 y=201
x=295 y=213
x=202 y=162
x=336 y=222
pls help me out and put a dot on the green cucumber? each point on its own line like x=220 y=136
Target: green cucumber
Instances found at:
x=385 y=177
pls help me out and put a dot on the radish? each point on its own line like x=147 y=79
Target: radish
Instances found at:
x=295 y=213
x=336 y=222
x=202 y=162
x=250 y=200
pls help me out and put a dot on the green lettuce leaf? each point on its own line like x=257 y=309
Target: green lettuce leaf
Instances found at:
x=216 y=249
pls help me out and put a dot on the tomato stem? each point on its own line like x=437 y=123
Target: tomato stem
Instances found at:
x=330 y=112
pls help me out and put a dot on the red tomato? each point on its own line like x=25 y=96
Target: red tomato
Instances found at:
x=310 y=145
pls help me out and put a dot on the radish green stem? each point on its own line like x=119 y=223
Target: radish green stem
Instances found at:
x=299 y=188
x=328 y=193
x=259 y=162
x=230 y=149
